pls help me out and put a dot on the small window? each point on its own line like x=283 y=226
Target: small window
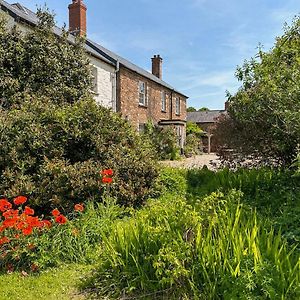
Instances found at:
x=163 y=101
x=142 y=93
x=177 y=108
x=95 y=80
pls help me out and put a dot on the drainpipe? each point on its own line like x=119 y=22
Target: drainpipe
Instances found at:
x=115 y=84
x=171 y=103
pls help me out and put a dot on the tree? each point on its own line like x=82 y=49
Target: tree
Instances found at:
x=40 y=63
x=203 y=109
x=264 y=115
x=191 y=109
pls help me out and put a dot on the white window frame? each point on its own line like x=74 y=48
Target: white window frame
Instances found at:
x=142 y=93
x=177 y=106
x=163 y=101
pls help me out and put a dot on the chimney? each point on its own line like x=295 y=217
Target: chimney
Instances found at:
x=77 y=18
x=157 y=66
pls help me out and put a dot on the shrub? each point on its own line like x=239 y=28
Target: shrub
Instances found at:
x=55 y=154
x=163 y=140
x=215 y=250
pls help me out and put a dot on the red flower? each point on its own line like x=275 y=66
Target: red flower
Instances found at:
x=4 y=240
x=107 y=180
x=55 y=212
x=20 y=200
x=45 y=224
x=5 y=205
x=28 y=211
x=27 y=231
x=61 y=219
x=10 y=214
x=79 y=207
x=108 y=172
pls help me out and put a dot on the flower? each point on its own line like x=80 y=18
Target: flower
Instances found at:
x=4 y=240
x=108 y=172
x=20 y=200
x=45 y=224
x=61 y=219
x=28 y=211
x=79 y=207
x=5 y=205
x=107 y=180
x=55 y=212
x=27 y=231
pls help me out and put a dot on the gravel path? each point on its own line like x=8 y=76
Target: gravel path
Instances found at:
x=198 y=161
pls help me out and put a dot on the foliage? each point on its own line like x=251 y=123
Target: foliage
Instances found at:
x=31 y=244
x=54 y=155
x=193 y=128
x=191 y=109
x=193 y=145
x=41 y=64
x=163 y=140
x=214 y=250
x=203 y=109
x=264 y=114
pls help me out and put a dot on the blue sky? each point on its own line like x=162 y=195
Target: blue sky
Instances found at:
x=201 y=41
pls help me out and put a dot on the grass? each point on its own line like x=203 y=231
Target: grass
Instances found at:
x=53 y=284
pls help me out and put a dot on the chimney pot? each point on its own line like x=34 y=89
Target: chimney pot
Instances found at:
x=157 y=66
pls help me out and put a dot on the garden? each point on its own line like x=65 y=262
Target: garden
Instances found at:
x=87 y=211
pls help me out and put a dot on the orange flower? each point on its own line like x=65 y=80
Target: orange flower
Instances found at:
x=27 y=231
x=45 y=224
x=5 y=205
x=61 y=219
x=108 y=172
x=55 y=212
x=10 y=213
x=4 y=240
x=107 y=180
x=28 y=211
x=20 y=200
x=79 y=207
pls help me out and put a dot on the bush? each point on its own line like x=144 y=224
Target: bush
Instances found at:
x=193 y=145
x=55 y=154
x=163 y=140
x=215 y=250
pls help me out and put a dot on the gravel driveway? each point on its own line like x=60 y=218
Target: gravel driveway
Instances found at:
x=198 y=161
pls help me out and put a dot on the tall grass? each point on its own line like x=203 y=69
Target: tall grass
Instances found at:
x=216 y=249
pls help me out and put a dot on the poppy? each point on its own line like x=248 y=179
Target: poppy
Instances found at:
x=28 y=211
x=61 y=219
x=55 y=212
x=107 y=180
x=4 y=240
x=27 y=231
x=79 y=207
x=20 y=200
x=108 y=172
x=45 y=224
x=5 y=205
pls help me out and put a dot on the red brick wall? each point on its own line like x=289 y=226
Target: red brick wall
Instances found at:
x=128 y=100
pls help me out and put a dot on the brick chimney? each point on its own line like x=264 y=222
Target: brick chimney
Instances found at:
x=157 y=66
x=77 y=17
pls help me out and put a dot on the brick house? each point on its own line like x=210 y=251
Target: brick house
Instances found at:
x=207 y=120
x=139 y=96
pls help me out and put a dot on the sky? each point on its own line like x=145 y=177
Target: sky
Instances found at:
x=201 y=41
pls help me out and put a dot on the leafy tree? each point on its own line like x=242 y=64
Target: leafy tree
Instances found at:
x=203 y=109
x=191 y=109
x=193 y=128
x=264 y=115
x=40 y=63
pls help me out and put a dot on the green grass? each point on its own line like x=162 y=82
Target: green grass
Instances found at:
x=54 y=284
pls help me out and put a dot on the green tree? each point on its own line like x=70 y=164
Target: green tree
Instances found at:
x=203 y=109
x=264 y=115
x=191 y=109
x=40 y=63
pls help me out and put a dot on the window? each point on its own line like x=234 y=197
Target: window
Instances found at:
x=177 y=107
x=95 y=80
x=142 y=93
x=163 y=102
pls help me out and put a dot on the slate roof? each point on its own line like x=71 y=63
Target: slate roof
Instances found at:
x=24 y=14
x=204 y=116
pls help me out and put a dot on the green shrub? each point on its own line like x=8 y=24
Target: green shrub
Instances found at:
x=55 y=154
x=193 y=145
x=163 y=140
x=215 y=250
